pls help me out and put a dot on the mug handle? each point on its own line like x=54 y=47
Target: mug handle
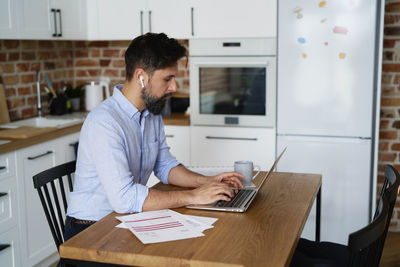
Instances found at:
x=258 y=171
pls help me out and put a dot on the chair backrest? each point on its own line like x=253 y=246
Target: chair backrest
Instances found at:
x=365 y=245
x=390 y=188
x=50 y=202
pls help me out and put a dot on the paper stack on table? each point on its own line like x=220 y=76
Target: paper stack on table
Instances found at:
x=165 y=225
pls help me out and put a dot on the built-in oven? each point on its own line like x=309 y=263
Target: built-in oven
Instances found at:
x=233 y=82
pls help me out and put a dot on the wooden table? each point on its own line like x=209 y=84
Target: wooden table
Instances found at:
x=265 y=235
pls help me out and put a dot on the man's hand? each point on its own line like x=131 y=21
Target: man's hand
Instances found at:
x=211 y=192
x=230 y=178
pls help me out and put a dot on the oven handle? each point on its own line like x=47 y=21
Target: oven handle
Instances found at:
x=231 y=138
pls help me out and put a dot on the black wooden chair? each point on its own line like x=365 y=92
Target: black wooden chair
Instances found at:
x=55 y=213
x=364 y=246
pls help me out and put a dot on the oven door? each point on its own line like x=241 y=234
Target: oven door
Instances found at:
x=233 y=91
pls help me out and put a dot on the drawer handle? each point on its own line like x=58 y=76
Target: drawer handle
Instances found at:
x=2 y=167
x=169 y=135
x=3 y=194
x=231 y=138
x=41 y=155
x=4 y=246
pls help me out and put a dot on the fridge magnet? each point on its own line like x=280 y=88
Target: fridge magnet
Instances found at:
x=325 y=43
x=323 y=20
x=340 y=30
x=298 y=12
x=322 y=4
x=304 y=55
x=301 y=40
x=342 y=55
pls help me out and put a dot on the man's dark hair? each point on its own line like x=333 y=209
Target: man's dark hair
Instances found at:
x=151 y=52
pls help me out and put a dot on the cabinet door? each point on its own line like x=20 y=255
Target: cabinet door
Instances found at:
x=178 y=139
x=10 y=256
x=72 y=14
x=121 y=19
x=37 y=241
x=171 y=17
x=35 y=19
x=221 y=146
x=66 y=147
x=234 y=18
x=8 y=19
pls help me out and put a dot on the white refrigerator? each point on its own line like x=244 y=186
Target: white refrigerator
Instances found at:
x=328 y=90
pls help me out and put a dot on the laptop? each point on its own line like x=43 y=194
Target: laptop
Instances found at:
x=242 y=200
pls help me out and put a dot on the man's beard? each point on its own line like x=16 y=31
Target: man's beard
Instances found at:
x=154 y=104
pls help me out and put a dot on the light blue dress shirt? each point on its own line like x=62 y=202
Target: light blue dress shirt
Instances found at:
x=118 y=150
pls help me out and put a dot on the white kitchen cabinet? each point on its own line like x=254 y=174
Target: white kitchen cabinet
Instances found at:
x=10 y=256
x=133 y=18
x=120 y=19
x=234 y=18
x=36 y=239
x=221 y=146
x=172 y=17
x=9 y=231
x=8 y=19
x=34 y=19
x=43 y=19
x=178 y=139
x=66 y=146
x=70 y=17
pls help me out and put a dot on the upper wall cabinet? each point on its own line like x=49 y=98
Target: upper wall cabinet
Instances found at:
x=233 y=18
x=8 y=19
x=120 y=19
x=173 y=17
x=126 y=19
x=43 y=19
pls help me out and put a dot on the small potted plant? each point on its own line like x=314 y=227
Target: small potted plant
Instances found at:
x=74 y=94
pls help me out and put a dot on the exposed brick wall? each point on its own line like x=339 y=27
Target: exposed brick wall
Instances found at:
x=64 y=62
x=389 y=136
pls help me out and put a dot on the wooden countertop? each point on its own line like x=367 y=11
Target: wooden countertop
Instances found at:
x=22 y=143
x=179 y=119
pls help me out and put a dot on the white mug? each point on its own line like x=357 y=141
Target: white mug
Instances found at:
x=246 y=168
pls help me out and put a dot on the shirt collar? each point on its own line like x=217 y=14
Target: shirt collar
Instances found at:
x=125 y=105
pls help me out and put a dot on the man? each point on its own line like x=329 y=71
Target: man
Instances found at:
x=122 y=141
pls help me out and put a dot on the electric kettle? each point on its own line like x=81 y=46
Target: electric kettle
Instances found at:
x=94 y=94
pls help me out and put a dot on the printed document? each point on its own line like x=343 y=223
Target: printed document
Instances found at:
x=164 y=225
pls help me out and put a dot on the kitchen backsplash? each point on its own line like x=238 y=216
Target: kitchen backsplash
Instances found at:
x=65 y=62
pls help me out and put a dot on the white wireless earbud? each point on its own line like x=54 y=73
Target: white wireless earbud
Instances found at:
x=141 y=81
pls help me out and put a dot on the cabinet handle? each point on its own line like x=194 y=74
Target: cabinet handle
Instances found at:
x=2 y=167
x=231 y=138
x=59 y=12
x=3 y=194
x=141 y=22
x=169 y=135
x=191 y=17
x=41 y=155
x=4 y=246
x=55 y=22
x=149 y=20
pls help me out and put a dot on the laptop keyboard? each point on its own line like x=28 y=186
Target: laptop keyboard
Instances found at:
x=236 y=201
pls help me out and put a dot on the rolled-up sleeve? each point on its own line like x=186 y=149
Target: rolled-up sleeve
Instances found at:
x=165 y=161
x=110 y=159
